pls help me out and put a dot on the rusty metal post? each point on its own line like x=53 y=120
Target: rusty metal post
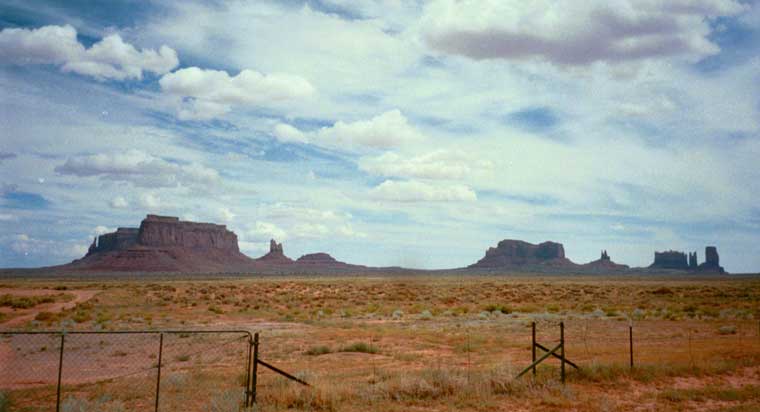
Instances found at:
x=255 y=367
x=562 y=350
x=630 y=343
x=158 y=377
x=60 y=372
x=533 y=346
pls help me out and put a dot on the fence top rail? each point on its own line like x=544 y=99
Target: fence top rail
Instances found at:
x=121 y=332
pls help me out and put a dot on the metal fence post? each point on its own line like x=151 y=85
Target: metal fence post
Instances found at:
x=60 y=370
x=248 y=373
x=562 y=350
x=255 y=367
x=158 y=376
x=533 y=346
x=630 y=343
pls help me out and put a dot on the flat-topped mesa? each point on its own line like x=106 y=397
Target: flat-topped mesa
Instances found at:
x=168 y=232
x=318 y=259
x=123 y=238
x=670 y=260
x=518 y=253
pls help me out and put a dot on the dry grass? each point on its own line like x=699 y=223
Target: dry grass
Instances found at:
x=444 y=344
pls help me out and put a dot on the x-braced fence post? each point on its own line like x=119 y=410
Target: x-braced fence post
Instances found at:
x=562 y=349
x=60 y=370
x=255 y=367
x=158 y=377
x=533 y=347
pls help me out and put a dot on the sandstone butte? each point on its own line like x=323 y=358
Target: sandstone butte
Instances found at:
x=167 y=244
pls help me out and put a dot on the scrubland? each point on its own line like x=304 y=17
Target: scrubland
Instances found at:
x=391 y=344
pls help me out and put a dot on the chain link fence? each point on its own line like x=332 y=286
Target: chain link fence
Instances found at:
x=121 y=371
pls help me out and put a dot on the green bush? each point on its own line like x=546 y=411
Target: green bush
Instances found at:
x=318 y=350
x=5 y=404
x=359 y=347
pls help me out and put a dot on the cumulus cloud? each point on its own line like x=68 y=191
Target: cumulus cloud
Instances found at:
x=439 y=164
x=289 y=134
x=149 y=201
x=263 y=231
x=416 y=191
x=140 y=168
x=386 y=130
x=23 y=244
x=225 y=214
x=119 y=202
x=568 y=32
x=206 y=94
x=110 y=58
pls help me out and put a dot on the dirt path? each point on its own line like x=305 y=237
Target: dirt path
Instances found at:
x=31 y=313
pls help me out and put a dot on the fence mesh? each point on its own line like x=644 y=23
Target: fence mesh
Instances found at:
x=119 y=371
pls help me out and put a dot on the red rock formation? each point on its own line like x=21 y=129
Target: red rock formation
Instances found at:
x=276 y=256
x=604 y=264
x=519 y=253
x=166 y=244
x=163 y=231
x=712 y=261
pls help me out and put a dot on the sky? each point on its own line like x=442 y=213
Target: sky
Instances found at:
x=412 y=133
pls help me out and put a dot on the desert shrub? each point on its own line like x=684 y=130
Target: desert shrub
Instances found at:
x=24 y=302
x=227 y=401
x=359 y=347
x=426 y=315
x=102 y=404
x=215 y=309
x=727 y=330
x=5 y=404
x=45 y=316
x=318 y=350
x=182 y=358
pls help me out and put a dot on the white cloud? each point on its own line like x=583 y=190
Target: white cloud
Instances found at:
x=263 y=231
x=110 y=58
x=416 y=191
x=119 y=202
x=213 y=92
x=439 y=164
x=140 y=168
x=386 y=130
x=569 y=32
x=225 y=214
x=149 y=201
x=100 y=230
x=287 y=133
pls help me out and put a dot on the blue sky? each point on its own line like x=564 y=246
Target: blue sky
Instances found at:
x=384 y=132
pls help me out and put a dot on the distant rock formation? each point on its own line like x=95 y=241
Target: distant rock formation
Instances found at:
x=673 y=260
x=164 y=243
x=670 y=260
x=510 y=252
x=712 y=261
x=276 y=255
x=693 y=261
x=166 y=231
x=604 y=264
